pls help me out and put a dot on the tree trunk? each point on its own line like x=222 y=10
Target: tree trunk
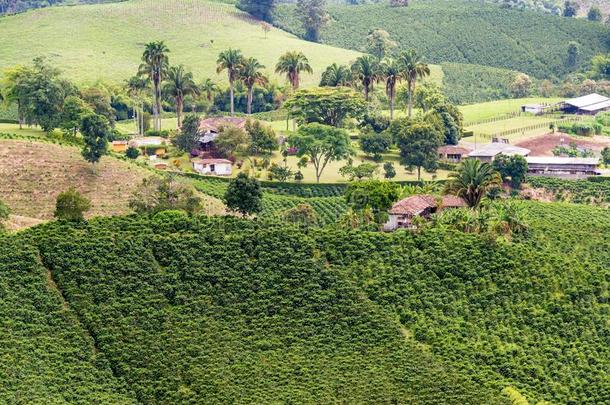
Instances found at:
x=418 y=173
x=411 y=91
x=179 y=106
x=20 y=113
x=392 y=96
x=366 y=92
x=231 y=93
x=250 y=90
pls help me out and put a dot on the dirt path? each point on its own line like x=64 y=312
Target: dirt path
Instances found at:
x=543 y=145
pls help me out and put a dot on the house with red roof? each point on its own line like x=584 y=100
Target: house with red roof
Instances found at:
x=419 y=205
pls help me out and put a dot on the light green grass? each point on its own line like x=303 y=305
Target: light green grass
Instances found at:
x=491 y=109
x=105 y=41
x=485 y=131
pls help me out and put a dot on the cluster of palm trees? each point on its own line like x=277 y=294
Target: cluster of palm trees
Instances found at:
x=177 y=83
x=173 y=81
x=249 y=71
x=368 y=70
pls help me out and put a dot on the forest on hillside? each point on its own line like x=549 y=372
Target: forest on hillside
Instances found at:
x=472 y=33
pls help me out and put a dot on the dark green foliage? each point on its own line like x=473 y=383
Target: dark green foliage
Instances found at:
x=71 y=205
x=47 y=355
x=375 y=144
x=389 y=171
x=595 y=191
x=157 y=194
x=594 y=14
x=330 y=106
x=261 y=9
x=532 y=314
x=379 y=196
x=4 y=214
x=95 y=132
x=132 y=153
x=418 y=143
x=472 y=32
x=361 y=171
x=244 y=194
x=511 y=168
x=466 y=84
x=606 y=156
x=188 y=137
x=313 y=17
x=570 y=8
x=262 y=137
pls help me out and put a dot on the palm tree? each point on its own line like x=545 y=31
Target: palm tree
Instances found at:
x=472 y=181
x=154 y=65
x=135 y=86
x=392 y=74
x=231 y=60
x=250 y=74
x=292 y=64
x=336 y=75
x=366 y=69
x=413 y=68
x=179 y=84
x=208 y=87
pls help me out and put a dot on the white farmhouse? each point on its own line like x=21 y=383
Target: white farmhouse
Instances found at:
x=218 y=167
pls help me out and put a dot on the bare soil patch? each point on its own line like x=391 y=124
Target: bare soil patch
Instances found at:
x=543 y=145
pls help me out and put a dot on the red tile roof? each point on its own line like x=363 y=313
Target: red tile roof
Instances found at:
x=453 y=150
x=211 y=161
x=213 y=124
x=416 y=204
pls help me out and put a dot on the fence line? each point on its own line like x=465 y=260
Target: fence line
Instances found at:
x=530 y=127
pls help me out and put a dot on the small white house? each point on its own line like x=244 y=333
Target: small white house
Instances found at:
x=217 y=167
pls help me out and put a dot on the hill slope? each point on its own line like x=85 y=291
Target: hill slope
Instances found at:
x=466 y=32
x=237 y=311
x=106 y=41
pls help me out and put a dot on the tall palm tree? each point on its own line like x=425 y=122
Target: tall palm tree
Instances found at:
x=231 y=61
x=472 y=181
x=250 y=74
x=366 y=69
x=178 y=85
x=292 y=63
x=413 y=69
x=208 y=87
x=336 y=75
x=135 y=86
x=154 y=65
x=392 y=74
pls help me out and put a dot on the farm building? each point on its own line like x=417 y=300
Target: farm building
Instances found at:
x=453 y=153
x=567 y=167
x=589 y=105
x=421 y=205
x=210 y=127
x=534 y=108
x=488 y=152
x=150 y=144
x=119 y=146
x=218 y=167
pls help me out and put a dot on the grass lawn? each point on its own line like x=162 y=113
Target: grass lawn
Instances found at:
x=483 y=111
x=27 y=131
x=106 y=41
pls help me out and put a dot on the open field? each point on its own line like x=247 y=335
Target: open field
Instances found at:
x=111 y=39
x=485 y=131
x=32 y=174
x=543 y=145
x=488 y=110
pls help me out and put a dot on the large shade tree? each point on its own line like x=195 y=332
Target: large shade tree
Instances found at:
x=472 y=181
x=326 y=105
x=178 y=85
x=366 y=70
x=155 y=64
x=251 y=74
x=291 y=64
x=322 y=144
x=230 y=60
x=418 y=144
x=413 y=69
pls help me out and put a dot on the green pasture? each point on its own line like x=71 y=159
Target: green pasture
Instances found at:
x=483 y=111
x=105 y=41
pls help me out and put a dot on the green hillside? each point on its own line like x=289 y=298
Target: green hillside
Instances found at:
x=466 y=32
x=105 y=41
x=225 y=310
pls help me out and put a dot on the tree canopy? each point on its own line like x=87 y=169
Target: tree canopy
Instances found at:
x=325 y=105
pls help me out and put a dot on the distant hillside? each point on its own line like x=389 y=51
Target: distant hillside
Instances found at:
x=466 y=32
x=106 y=41
x=19 y=6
